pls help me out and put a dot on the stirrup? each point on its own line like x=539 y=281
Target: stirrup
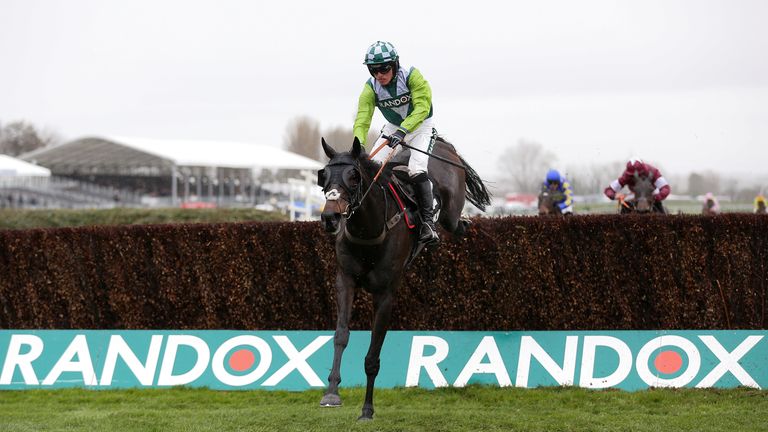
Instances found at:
x=433 y=237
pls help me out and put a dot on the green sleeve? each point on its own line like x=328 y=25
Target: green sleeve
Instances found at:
x=421 y=98
x=365 y=106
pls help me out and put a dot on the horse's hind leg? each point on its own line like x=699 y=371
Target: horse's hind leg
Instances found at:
x=345 y=296
x=450 y=217
x=452 y=187
x=462 y=227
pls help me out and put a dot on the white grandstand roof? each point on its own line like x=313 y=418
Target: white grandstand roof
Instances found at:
x=126 y=153
x=12 y=167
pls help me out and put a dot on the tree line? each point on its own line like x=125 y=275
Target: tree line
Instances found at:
x=302 y=136
x=523 y=165
x=19 y=137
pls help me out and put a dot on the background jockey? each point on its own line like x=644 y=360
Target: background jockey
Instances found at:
x=555 y=182
x=643 y=170
x=405 y=100
x=711 y=206
x=760 y=204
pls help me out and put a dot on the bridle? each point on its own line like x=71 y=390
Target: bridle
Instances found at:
x=356 y=197
x=354 y=193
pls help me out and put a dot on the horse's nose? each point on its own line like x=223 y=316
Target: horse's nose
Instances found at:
x=643 y=206
x=331 y=221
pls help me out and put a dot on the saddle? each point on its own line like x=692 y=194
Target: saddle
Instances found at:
x=402 y=189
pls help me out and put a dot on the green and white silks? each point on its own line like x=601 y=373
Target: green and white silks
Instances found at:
x=406 y=103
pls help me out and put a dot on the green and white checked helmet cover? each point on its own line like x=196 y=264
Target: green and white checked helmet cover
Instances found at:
x=380 y=52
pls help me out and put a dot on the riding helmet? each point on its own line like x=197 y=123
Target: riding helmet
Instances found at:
x=553 y=176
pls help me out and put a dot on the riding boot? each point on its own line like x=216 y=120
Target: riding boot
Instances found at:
x=423 y=188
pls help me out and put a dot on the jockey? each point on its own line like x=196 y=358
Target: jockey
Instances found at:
x=760 y=204
x=405 y=99
x=711 y=206
x=643 y=170
x=555 y=182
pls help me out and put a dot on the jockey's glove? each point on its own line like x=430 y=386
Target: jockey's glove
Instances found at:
x=657 y=197
x=396 y=138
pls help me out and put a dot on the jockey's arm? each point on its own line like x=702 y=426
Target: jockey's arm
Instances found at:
x=615 y=186
x=661 y=185
x=568 y=200
x=421 y=99
x=365 y=106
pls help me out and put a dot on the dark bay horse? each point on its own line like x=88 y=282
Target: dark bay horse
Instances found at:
x=373 y=243
x=642 y=200
x=548 y=203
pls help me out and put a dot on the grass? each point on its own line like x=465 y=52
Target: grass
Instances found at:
x=22 y=219
x=451 y=409
x=673 y=207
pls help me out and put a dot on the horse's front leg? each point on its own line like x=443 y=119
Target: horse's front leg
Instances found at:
x=345 y=296
x=382 y=311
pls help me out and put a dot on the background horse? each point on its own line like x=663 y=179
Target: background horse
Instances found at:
x=548 y=203
x=373 y=242
x=642 y=200
x=708 y=209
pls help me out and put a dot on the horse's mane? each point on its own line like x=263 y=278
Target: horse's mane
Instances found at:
x=371 y=167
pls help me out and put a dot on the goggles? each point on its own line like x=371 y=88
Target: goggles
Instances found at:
x=379 y=69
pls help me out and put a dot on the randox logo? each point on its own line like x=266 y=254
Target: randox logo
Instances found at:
x=396 y=102
x=233 y=363
x=664 y=361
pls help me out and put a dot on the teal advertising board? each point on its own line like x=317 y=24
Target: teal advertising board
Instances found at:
x=299 y=360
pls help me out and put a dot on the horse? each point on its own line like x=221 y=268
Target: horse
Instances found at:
x=708 y=209
x=548 y=203
x=373 y=241
x=642 y=200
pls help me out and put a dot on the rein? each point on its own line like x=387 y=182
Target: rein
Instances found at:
x=623 y=201
x=376 y=177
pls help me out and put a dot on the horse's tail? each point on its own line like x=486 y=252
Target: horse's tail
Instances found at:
x=477 y=193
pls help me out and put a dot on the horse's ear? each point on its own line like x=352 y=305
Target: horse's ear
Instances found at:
x=356 y=148
x=329 y=151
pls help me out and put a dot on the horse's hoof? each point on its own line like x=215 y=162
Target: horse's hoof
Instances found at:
x=462 y=227
x=367 y=415
x=331 y=400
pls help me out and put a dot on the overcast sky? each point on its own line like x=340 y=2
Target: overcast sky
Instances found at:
x=683 y=84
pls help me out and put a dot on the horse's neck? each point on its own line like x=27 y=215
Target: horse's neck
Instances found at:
x=369 y=219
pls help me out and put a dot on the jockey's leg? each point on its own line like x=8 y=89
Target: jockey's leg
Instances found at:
x=423 y=139
x=423 y=187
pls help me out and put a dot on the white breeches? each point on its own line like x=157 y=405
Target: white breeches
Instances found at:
x=421 y=138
